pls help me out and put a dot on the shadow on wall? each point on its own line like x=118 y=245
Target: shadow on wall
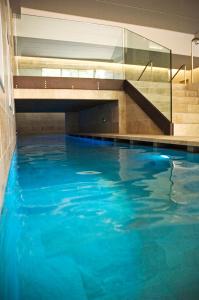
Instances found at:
x=102 y=118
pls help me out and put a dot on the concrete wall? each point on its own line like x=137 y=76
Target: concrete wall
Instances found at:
x=7 y=118
x=101 y=118
x=40 y=123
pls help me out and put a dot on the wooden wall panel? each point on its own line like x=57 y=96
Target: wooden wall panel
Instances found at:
x=33 y=82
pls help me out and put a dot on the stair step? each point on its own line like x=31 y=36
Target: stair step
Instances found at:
x=185 y=100
x=185 y=93
x=178 y=86
x=186 y=118
x=149 y=84
x=186 y=108
x=158 y=99
x=193 y=86
x=180 y=108
x=161 y=104
x=166 y=114
x=186 y=129
x=157 y=91
x=185 y=104
x=193 y=108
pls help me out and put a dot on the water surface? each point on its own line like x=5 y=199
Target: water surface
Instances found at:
x=90 y=220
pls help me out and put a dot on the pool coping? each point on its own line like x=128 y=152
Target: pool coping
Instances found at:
x=190 y=144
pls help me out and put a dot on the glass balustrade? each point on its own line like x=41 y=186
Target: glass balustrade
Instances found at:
x=65 y=48
x=148 y=68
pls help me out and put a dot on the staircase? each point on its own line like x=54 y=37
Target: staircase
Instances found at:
x=185 y=110
x=158 y=93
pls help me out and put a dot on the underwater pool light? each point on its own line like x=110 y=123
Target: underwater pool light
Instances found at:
x=165 y=156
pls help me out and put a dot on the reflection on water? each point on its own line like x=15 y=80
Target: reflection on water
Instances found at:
x=86 y=219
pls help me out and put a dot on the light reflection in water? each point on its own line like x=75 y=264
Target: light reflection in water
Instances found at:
x=123 y=232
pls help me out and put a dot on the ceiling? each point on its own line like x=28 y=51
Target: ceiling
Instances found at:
x=176 y=15
x=24 y=105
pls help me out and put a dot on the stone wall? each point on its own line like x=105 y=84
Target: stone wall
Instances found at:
x=102 y=118
x=72 y=122
x=123 y=116
x=7 y=117
x=137 y=121
x=40 y=123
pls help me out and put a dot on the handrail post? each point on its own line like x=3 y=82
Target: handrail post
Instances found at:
x=185 y=75
x=149 y=63
x=192 y=61
x=196 y=41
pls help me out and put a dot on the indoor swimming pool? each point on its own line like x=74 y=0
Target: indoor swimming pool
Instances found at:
x=86 y=219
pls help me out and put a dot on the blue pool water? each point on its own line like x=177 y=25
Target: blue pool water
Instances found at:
x=89 y=220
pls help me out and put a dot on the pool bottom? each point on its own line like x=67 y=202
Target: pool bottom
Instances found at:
x=86 y=219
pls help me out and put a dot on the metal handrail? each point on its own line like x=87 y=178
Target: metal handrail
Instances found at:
x=149 y=63
x=196 y=41
x=185 y=71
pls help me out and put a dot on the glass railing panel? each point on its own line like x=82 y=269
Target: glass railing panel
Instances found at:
x=65 y=48
x=71 y=48
x=148 y=68
x=37 y=66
